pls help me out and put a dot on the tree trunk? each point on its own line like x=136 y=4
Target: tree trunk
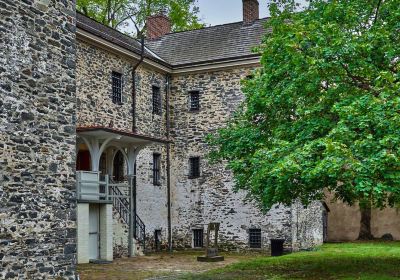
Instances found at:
x=365 y=223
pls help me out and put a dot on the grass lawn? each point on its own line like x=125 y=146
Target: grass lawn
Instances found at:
x=366 y=261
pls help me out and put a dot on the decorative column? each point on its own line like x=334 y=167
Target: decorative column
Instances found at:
x=131 y=159
x=96 y=149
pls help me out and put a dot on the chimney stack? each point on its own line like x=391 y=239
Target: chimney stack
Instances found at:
x=157 y=26
x=250 y=11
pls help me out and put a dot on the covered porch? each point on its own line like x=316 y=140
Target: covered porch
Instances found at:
x=106 y=182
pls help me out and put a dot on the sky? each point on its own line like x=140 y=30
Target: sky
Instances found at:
x=214 y=12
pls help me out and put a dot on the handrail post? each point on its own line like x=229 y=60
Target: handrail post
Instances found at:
x=78 y=186
x=130 y=235
x=107 y=186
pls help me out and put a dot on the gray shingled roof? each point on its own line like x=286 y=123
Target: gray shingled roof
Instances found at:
x=114 y=36
x=214 y=43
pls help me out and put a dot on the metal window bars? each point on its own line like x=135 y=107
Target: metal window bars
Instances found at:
x=194 y=167
x=255 y=238
x=156 y=169
x=198 y=238
x=194 y=104
x=156 y=100
x=116 y=87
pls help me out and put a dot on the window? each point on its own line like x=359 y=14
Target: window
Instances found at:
x=156 y=100
x=194 y=167
x=197 y=238
x=194 y=103
x=156 y=169
x=255 y=238
x=157 y=239
x=116 y=87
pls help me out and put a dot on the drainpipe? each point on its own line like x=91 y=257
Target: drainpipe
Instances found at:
x=167 y=93
x=134 y=84
x=132 y=204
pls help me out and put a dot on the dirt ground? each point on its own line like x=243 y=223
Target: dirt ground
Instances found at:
x=154 y=267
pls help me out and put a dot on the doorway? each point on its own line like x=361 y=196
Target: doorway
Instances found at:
x=118 y=167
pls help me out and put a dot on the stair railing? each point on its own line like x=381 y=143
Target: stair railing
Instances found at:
x=121 y=205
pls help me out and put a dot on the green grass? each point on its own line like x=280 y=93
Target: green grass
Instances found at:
x=366 y=261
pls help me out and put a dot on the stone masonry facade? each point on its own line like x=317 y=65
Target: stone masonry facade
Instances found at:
x=211 y=197
x=52 y=82
x=37 y=139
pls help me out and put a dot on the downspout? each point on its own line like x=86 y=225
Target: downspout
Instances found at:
x=134 y=83
x=167 y=93
x=132 y=210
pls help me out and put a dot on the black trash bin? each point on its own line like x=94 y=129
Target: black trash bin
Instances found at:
x=277 y=247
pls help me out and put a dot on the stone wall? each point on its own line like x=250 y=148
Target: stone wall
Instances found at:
x=211 y=198
x=307 y=225
x=37 y=139
x=344 y=222
x=152 y=205
x=94 y=92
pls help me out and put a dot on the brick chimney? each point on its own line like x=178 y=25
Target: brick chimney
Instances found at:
x=250 y=11
x=157 y=26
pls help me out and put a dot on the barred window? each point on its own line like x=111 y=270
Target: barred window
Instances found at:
x=194 y=101
x=116 y=87
x=156 y=100
x=194 y=167
x=156 y=169
x=198 y=237
x=255 y=238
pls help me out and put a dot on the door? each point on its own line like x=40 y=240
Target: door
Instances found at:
x=94 y=231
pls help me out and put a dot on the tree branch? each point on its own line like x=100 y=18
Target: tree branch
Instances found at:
x=358 y=81
x=377 y=10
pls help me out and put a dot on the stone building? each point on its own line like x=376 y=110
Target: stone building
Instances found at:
x=102 y=144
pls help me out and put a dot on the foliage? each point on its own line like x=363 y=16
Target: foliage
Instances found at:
x=323 y=111
x=123 y=13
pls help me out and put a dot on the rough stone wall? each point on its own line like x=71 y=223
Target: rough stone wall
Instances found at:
x=307 y=226
x=152 y=199
x=37 y=139
x=211 y=198
x=344 y=222
x=94 y=88
x=94 y=92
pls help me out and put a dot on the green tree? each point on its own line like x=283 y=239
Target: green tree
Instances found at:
x=323 y=111
x=120 y=14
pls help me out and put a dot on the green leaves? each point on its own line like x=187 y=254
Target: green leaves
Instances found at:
x=133 y=13
x=323 y=112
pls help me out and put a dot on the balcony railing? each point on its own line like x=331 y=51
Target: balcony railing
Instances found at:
x=91 y=188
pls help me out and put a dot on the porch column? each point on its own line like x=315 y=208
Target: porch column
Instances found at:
x=132 y=154
x=96 y=149
x=82 y=216
x=106 y=232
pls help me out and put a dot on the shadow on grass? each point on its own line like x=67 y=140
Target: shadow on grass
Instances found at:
x=364 y=261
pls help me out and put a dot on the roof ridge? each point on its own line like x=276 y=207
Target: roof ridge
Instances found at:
x=209 y=27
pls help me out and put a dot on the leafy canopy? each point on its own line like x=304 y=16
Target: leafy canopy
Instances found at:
x=323 y=111
x=121 y=14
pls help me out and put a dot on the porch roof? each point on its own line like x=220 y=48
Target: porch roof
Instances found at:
x=122 y=137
